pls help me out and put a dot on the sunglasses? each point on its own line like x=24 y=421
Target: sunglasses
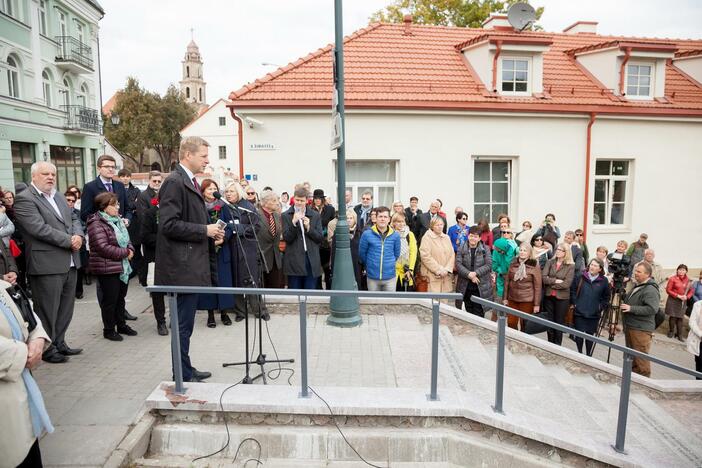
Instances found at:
x=250 y=193
x=538 y=239
x=506 y=232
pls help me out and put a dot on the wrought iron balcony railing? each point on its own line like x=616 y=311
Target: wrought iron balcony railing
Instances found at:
x=82 y=118
x=71 y=49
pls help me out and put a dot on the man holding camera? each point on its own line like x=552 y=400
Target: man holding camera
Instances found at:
x=638 y=315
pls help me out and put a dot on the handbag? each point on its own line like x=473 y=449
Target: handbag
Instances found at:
x=15 y=251
x=25 y=307
x=570 y=313
x=421 y=284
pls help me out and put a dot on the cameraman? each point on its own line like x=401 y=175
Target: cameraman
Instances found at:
x=638 y=315
x=619 y=265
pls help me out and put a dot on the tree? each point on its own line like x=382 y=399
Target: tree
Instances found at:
x=147 y=122
x=462 y=13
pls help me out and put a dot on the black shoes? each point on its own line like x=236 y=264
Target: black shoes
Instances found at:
x=162 y=329
x=66 y=351
x=128 y=316
x=79 y=295
x=126 y=330
x=239 y=317
x=112 y=335
x=54 y=357
x=264 y=315
x=225 y=319
x=210 y=319
x=201 y=375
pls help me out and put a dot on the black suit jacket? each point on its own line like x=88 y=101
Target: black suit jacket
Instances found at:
x=360 y=223
x=269 y=244
x=424 y=222
x=95 y=187
x=294 y=258
x=185 y=256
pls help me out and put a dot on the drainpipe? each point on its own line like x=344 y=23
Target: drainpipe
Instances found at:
x=241 y=141
x=622 y=71
x=587 y=173
x=498 y=49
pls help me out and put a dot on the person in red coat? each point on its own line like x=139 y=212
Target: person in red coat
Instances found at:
x=110 y=252
x=679 y=291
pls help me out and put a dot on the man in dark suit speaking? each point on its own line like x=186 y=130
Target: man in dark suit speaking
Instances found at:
x=53 y=236
x=185 y=251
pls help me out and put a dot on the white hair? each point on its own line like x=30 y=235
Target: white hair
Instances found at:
x=35 y=167
x=239 y=189
x=268 y=195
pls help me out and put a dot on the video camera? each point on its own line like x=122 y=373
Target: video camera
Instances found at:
x=619 y=265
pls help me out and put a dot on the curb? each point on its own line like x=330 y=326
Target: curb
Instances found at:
x=134 y=445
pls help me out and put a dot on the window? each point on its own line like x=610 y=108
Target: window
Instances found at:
x=46 y=87
x=69 y=166
x=491 y=189
x=187 y=72
x=379 y=177
x=82 y=98
x=79 y=32
x=8 y=7
x=66 y=91
x=611 y=184
x=199 y=94
x=13 y=85
x=61 y=17
x=42 y=17
x=187 y=92
x=515 y=75
x=22 y=160
x=222 y=152
x=222 y=121
x=639 y=80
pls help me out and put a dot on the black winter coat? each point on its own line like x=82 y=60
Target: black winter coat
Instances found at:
x=294 y=257
x=185 y=256
x=482 y=267
x=246 y=227
x=593 y=297
x=134 y=228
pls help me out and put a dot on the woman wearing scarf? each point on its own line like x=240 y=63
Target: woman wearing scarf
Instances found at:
x=522 y=285
x=20 y=398
x=459 y=231
x=404 y=267
x=557 y=277
x=589 y=293
x=438 y=258
x=110 y=252
x=221 y=302
x=355 y=239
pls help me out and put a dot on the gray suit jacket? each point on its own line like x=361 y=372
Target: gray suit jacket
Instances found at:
x=47 y=236
x=269 y=245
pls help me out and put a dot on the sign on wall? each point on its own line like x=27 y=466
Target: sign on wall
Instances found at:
x=262 y=147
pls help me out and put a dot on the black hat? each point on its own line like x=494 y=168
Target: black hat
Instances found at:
x=318 y=193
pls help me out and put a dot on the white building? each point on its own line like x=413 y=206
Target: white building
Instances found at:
x=602 y=131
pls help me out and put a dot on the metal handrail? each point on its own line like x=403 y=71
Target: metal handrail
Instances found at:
x=70 y=48
x=79 y=117
x=302 y=294
x=629 y=354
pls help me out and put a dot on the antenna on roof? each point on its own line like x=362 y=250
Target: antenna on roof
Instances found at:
x=521 y=16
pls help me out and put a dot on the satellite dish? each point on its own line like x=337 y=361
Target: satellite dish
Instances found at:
x=521 y=15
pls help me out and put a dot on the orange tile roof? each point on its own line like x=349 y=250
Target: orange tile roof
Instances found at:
x=109 y=105
x=386 y=68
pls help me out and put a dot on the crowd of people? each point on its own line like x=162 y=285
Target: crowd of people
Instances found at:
x=182 y=231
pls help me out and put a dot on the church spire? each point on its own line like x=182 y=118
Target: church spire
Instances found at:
x=192 y=84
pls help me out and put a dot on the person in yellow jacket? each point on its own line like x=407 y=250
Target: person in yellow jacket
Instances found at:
x=404 y=268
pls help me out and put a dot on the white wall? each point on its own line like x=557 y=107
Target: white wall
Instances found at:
x=691 y=66
x=207 y=126
x=604 y=65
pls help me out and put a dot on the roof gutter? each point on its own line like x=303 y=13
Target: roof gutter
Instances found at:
x=498 y=49
x=588 y=159
x=622 y=70
x=240 y=124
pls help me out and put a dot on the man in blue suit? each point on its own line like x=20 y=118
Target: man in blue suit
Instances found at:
x=104 y=182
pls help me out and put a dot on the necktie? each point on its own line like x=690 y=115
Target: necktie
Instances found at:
x=197 y=186
x=271 y=224
x=108 y=186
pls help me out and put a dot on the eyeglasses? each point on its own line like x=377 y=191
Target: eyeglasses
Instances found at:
x=156 y=181
x=68 y=200
x=465 y=218
x=560 y=250
x=506 y=232
x=538 y=240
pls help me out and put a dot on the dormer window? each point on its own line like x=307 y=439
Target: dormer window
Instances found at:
x=515 y=75
x=639 y=80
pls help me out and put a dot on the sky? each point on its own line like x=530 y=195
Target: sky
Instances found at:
x=147 y=39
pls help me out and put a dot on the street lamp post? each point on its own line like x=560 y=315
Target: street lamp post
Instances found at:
x=344 y=310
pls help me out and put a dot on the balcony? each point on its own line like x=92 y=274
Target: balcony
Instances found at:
x=73 y=55
x=81 y=119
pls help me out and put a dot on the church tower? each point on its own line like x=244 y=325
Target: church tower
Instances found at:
x=192 y=86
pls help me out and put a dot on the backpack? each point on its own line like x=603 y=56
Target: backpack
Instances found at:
x=549 y=235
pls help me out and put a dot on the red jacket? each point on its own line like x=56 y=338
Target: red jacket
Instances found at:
x=677 y=286
x=105 y=254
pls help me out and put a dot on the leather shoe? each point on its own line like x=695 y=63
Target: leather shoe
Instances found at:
x=79 y=295
x=201 y=375
x=225 y=319
x=112 y=335
x=126 y=330
x=55 y=358
x=239 y=317
x=66 y=351
x=192 y=379
x=162 y=329
x=128 y=316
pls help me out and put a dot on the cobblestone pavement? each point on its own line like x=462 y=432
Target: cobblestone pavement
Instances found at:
x=96 y=396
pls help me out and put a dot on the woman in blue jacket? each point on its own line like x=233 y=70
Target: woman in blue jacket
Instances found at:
x=590 y=295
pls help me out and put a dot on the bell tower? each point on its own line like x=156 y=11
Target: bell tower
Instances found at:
x=192 y=86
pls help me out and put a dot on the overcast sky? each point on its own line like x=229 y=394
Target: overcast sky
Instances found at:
x=147 y=39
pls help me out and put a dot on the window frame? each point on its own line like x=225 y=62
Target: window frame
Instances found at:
x=47 y=88
x=530 y=75
x=222 y=121
x=9 y=8
x=651 y=84
x=43 y=30
x=491 y=181
x=609 y=193
x=14 y=74
x=358 y=187
x=222 y=152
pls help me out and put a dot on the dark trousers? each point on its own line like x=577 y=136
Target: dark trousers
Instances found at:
x=274 y=278
x=303 y=282
x=557 y=309
x=54 y=297
x=187 y=304
x=675 y=325
x=698 y=360
x=324 y=258
x=140 y=268
x=472 y=307
x=114 y=291
x=589 y=326
x=33 y=458
x=80 y=274
x=159 y=305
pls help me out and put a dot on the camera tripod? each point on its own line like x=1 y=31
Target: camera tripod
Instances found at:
x=610 y=318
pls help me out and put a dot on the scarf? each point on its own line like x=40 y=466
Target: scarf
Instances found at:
x=122 y=240
x=37 y=411
x=364 y=213
x=404 y=246
x=521 y=271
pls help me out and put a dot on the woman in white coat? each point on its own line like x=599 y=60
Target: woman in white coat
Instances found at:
x=695 y=335
x=24 y=417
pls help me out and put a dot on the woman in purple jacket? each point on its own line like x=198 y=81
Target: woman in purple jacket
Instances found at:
x=110 y=252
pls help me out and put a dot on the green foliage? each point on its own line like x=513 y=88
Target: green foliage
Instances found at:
x=148 y=121
x=462 y=13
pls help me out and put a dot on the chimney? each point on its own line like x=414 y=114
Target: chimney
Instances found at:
x=498 y=22
x=408 y=25
x=582 y=27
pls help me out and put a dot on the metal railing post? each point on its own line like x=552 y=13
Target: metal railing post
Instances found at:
x=500 y=371
x=175 y=343
x=304 y=392
x=623 y=403
x=434 y=349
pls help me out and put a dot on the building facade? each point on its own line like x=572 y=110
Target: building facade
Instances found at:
x=49 y=88
x=192 y=85
x=602 y=131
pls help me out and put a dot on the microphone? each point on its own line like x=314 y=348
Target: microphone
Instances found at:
x=218 y=196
